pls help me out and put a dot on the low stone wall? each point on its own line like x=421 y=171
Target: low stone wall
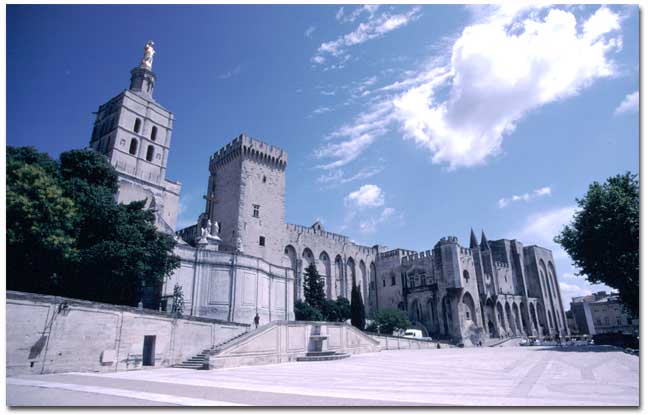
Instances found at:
x=48 y=334
x=398 y=343
x=284 y=341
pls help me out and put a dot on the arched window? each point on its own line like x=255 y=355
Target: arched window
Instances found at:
x=466 y=276
x=149 y=153
x=138 y=125
x=153 y=133
x=133 y=146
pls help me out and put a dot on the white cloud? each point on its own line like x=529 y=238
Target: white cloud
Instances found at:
x=509 y=62
x=231 y=73
x=309 y=31
x=368 y=195
x=540 y=229
x=370 y=224
x=629 y=104
x=343 y=17
x=374 y=27
x=569 y=291
x=321 y=110
x=337 y=177
x=359 y=136
x=543 y=191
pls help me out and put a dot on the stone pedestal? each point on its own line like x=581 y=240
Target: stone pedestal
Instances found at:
x=317 y=350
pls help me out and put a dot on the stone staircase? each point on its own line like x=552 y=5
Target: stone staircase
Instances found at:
x=317 y=354
x=201 y=360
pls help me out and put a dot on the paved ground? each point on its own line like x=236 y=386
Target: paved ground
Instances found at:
x=581 y=376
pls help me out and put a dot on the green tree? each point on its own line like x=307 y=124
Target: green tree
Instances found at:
x=31 y=156
x=40 y=223
x=313 y=287
x=390 y=319
x=306 y=312
x=178 y=300
x=63 y=220
x=357 y=308
x=603 y=237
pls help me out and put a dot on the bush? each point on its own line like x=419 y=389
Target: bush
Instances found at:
x=305 y=312
x=372 y=327
x=391 y=319
x=344 y=307
x=330 y=310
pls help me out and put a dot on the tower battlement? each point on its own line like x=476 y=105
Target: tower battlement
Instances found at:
x=246 y=146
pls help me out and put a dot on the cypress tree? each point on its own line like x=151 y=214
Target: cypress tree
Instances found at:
x=313 y=287
x=357 y=308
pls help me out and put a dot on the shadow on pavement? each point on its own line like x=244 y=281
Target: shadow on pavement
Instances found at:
x=579 y=349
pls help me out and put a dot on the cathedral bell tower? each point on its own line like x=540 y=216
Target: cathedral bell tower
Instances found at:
x=134 y=132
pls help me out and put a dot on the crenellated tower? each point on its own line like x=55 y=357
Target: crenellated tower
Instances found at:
x=245 y=195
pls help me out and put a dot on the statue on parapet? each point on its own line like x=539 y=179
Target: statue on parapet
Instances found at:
x=209 y=233
x=147 y=59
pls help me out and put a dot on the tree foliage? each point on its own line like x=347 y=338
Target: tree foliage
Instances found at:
x=357 y=308
x=313 y=287
x=344 y=308
x=390 y=319
x=603 y=238
x=41 y=222
x=178 y=300
x=306 y=312
x=62 y=220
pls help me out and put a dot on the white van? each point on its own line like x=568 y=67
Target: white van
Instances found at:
x=415 y=334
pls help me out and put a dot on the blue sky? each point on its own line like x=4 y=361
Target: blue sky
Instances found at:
x=403 y=124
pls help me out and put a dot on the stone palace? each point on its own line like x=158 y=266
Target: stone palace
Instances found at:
x=242 y=258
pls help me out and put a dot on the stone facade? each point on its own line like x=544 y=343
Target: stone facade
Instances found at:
x=231 y=287
x=494 y=289
x=338 y=260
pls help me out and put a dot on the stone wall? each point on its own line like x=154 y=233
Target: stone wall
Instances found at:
x=284 y=341
x=47 y=334
x=402 y=343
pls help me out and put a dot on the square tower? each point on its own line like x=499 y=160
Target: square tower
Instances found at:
x=245 y=195
x=134 y=132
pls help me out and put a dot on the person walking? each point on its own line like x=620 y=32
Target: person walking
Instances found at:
x=256 y=321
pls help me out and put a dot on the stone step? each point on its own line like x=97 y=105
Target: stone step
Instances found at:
x=323 y=358
x=324 y=353
x=186 y=365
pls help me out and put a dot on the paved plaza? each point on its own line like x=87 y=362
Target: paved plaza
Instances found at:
x=580 y=376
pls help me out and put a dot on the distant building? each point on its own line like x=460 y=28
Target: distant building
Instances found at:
x=602 y=313
x=571 y=322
